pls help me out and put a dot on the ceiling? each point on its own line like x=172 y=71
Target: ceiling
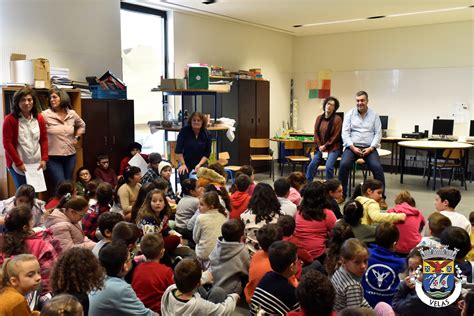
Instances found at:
x=282 y=15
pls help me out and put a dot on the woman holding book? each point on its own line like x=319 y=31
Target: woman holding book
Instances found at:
x=24 y=135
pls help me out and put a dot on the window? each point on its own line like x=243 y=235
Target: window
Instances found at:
x=144 y=59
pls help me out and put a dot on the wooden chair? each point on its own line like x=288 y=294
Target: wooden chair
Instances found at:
x=294 y=146
x=453 y=161
x=223 y=159
x=260 y=144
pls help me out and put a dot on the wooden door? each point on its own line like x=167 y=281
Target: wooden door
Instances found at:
x=96 y=139
x=246 y=121
x=263 y=109
x=122 y=129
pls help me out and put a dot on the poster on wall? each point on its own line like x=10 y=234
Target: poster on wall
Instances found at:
x=319 y=88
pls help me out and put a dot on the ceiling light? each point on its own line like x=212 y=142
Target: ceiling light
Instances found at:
x=381 y=17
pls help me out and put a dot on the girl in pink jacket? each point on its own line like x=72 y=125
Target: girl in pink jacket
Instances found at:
x=20 y=237
x=410 y=229
x=65 y=222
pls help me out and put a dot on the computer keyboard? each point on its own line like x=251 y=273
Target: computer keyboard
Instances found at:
x=444 y=138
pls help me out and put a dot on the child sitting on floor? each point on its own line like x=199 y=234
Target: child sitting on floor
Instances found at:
x=297 y=180
x=105 y=194
x=164 y=170
x=117 y=297
x=446 y=200
x=287 y=225
x=83 y=177
x=346 y=279
x=151 y=278
x=410 y=229
x=381 y=279
x=104 y=172
x=24 y=195
x=239 y=199
x=274 y=294
x=182 y=298
x=19 y=275
x=369 y=194
x=282 y=190
x=106 y=223
x=208 y=225
x=187 y=206
x=230 y=259
x=437 y=223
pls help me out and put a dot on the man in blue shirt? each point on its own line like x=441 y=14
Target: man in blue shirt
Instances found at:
x=361 y=135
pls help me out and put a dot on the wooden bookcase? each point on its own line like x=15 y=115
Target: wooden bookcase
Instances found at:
x=7 y=187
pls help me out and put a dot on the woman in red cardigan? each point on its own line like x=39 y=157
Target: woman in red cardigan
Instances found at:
x=24 y=135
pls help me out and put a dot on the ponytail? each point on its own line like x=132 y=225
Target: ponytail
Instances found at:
x=9 y=268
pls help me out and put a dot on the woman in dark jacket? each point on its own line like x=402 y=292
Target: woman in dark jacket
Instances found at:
x=193 y=146
x=327 y=137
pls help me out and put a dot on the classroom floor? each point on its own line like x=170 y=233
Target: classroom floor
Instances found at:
x=416 y=185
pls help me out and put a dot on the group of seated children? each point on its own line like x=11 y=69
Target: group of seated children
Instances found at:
x=284 y=250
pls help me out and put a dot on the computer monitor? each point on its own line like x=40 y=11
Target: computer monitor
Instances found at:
x=471 y=129
x=443 y=127
x=341 y=114
x=384 y=121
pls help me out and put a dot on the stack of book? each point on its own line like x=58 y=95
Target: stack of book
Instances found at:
x=60 y=77
x=256 y=73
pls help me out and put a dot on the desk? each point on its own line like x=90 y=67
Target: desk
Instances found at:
x=281 y=146
x=395 y=150
x=432 y=146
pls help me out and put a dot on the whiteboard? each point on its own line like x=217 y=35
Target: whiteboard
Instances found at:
x=409 y=96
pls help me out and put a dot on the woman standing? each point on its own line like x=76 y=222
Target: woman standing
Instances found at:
x=65 y=128
x=193 y=146
x=24 y=135
x=327 y=137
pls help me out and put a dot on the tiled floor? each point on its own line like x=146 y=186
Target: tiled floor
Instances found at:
x=416 y=185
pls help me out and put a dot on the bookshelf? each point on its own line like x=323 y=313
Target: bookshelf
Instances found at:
x=7 y=187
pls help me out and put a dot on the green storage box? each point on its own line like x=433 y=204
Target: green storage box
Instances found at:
x=198 y=78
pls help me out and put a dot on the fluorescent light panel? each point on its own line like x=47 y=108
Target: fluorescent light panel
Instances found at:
x=388 y=16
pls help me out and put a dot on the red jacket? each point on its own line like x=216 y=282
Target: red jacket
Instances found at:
x=410 y=229
x=238 y=204
x=10 y=139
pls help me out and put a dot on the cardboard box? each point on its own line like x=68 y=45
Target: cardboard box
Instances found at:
x=35 y=72
x=173 y=84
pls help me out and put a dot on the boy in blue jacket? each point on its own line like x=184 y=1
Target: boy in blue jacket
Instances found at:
x=381 y=280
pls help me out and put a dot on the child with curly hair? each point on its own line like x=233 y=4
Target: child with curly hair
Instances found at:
x=77 y=272
x=264 y=208
x=153 y=217
x=20 y=238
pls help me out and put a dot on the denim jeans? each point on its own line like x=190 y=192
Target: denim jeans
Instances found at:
x=330 y=162
x=372 y=161
x=60 y=168
x=18 y=179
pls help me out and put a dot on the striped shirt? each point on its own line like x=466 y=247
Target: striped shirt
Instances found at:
x=274 y=295
x=349 y=292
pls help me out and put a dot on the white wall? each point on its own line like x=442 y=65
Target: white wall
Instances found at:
x=418 y=51
x=237 y=46
x=83 y=36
